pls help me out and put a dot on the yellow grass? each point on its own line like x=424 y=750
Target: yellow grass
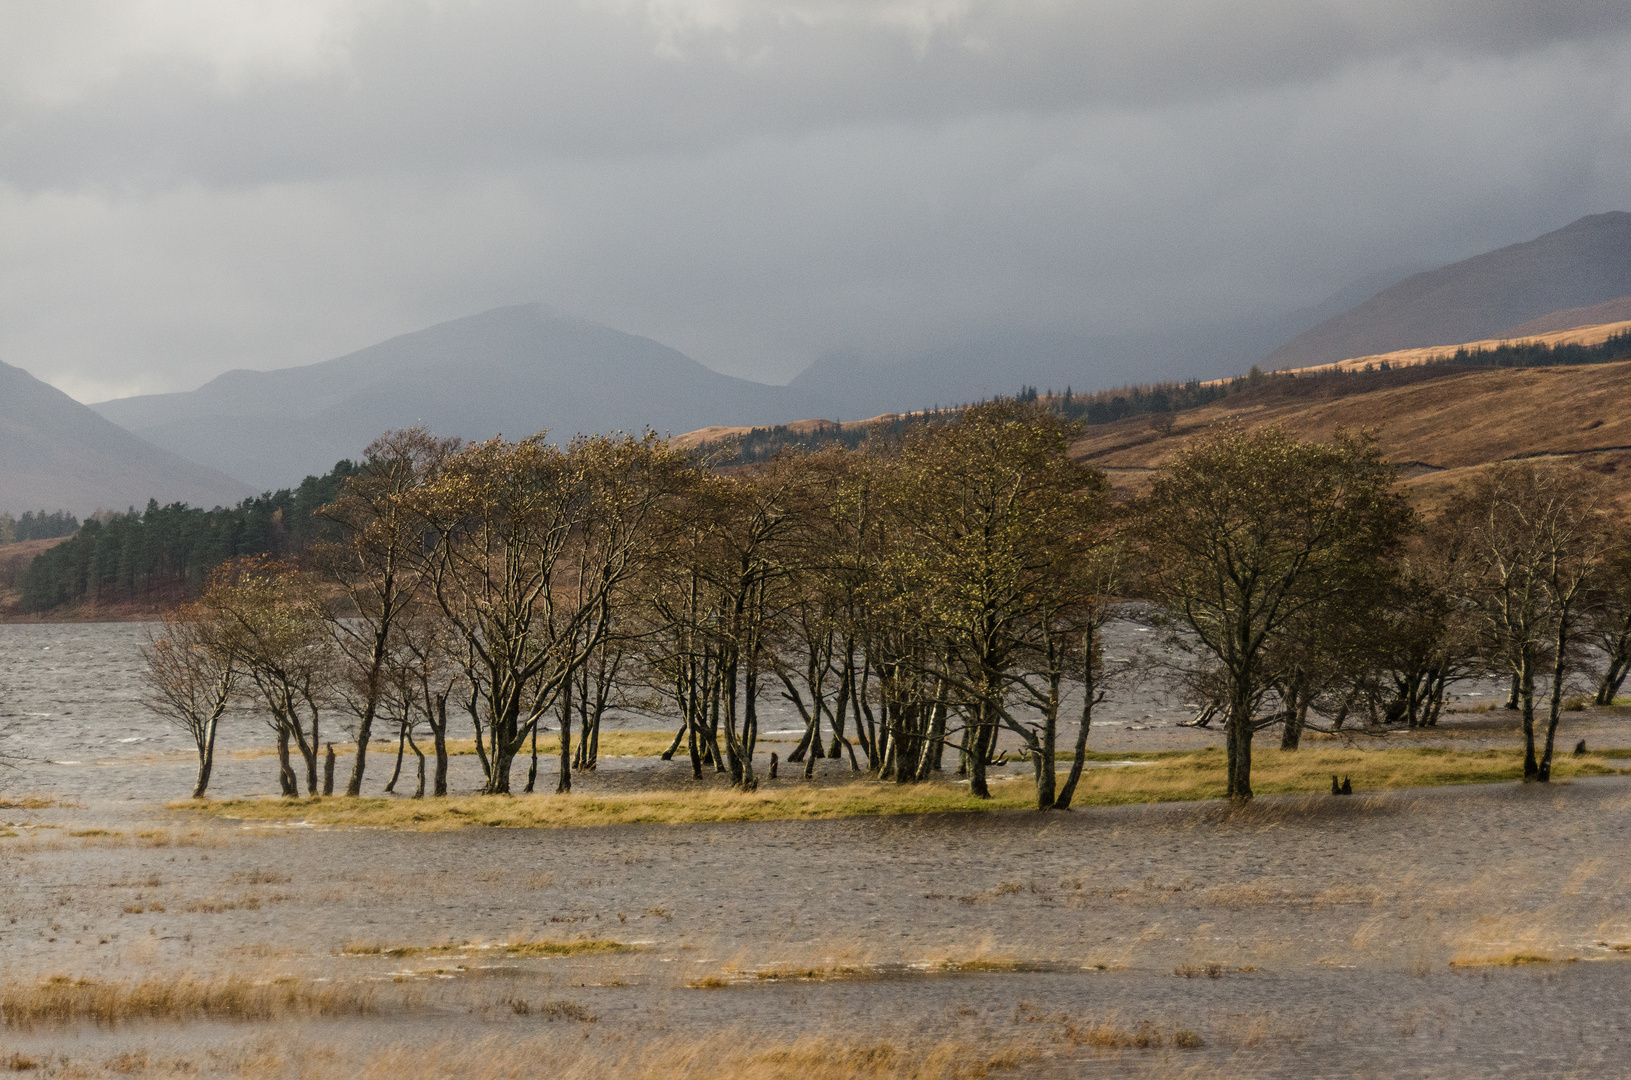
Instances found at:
x=37 y=802
x=62 y=999
x=736 y=1057
x=1165 y=777
x=1579 y=335
x=587 y=946
x=1504 y=960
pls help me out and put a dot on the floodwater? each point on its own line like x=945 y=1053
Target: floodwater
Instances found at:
x=1331 y=937
x=72 y=723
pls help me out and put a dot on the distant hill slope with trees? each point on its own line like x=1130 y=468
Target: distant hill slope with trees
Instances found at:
x=511 y=371
x=1585 y=263
x=154 y=558
x=56 y=454
x=1440 y=422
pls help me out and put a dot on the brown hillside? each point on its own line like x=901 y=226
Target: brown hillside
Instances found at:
x=1574 y=335
x=720 y=432
x=1585 y=263
x=1609 y=311
x=1439 y=423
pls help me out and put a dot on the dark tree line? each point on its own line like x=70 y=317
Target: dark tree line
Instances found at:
x=164 y=554
x=40 y=526
x=1540 y=354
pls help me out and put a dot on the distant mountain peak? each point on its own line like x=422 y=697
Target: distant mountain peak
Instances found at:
x=517 y=369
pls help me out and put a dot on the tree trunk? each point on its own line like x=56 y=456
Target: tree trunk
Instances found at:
x=1089 y=699
x=1555 y=702
x=286 y=775
x=563 y=784
x=1619 y=663
x=438 y=734
x=206 y=746
x=1526 y=692
x=328 y=771
x=401 y=745
x=679 y=737
x=1238 y=731
x=1296 y=706
x=1047 y=777
x=978 y=752
x=353 y=786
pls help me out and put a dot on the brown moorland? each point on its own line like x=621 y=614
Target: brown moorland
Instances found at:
x=1439 y=423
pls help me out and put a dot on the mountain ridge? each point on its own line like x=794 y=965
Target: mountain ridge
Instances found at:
x=1584 y=263
x=61 y=455
x=513 y=370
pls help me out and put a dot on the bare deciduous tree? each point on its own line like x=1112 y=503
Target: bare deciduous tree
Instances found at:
x=190 y=676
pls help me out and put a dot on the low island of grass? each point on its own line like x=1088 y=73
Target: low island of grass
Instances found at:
x=1111 y=779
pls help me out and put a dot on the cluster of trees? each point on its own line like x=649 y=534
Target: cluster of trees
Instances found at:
x=1308 y=585
x=760 y=445
x=40 y=526
x=1540 y=354
x=165 y=553
x=1108 y=406
x=911 y=605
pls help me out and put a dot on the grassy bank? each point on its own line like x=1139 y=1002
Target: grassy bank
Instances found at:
x=1157 y=777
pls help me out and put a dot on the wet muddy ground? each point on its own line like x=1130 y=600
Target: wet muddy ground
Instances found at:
x=1326 y=937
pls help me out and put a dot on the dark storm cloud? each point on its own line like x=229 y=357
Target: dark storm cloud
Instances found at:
x=188 y=187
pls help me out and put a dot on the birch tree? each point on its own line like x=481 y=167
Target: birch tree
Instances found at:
x=1244 y=533
x=191 y=673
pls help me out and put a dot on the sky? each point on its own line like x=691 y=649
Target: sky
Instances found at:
x=190 y=186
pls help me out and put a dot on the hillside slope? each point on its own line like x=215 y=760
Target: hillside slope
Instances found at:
x=512 y=371
x=1584 y=263
x=1438 y=423
x=58 y=454
x=1609 y=311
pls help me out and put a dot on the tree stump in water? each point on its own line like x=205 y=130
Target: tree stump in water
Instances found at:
x=328 y=771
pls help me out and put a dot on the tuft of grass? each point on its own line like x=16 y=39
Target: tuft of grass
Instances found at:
x=63 y=999
x=586 y=946
x=1504 y=960
x=1109 y=1036
x=38 y=802
x=1168 y=776
x=733 y=1056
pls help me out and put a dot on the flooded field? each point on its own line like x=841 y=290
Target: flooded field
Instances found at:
x=1480 y=930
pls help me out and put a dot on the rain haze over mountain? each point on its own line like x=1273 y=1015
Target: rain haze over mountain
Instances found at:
x=188 y=188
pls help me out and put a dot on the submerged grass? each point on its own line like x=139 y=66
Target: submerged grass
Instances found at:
x=1172 y=776
x=62 y=999
x=587 y=946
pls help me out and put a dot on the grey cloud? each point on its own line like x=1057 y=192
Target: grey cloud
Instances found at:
x=761 y=182
x=461 y=87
